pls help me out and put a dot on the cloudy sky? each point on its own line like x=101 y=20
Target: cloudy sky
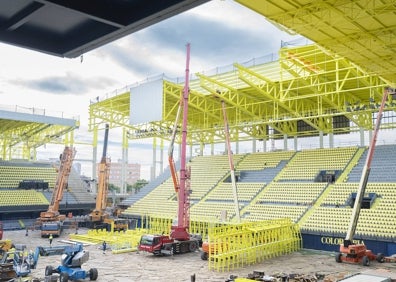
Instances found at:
x=220 y=32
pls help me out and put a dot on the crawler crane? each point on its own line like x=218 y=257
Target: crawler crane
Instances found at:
x=349 y=251
x=51 y=221
x=179 y=241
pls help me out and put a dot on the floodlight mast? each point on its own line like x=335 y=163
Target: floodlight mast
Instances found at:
x=180 y=230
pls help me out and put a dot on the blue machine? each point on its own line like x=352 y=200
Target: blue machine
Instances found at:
x=70 y=268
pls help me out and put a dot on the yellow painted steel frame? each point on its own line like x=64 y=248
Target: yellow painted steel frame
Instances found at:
x=234 y=246
x=22 y=141
x=303 y=93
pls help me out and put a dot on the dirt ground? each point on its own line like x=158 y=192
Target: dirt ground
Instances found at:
x=146 y=267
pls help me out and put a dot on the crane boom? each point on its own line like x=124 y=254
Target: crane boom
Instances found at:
x=171 y=161
x=180 y=231
x=231 y=162
x=66 y=161
x=179 y=240
x=103 y=182
x=365 y=176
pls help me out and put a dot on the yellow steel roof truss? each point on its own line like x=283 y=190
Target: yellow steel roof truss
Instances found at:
x=269 y=100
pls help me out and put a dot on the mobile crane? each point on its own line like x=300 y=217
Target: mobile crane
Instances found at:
x=100 y=217
x=349 y=251
x=179 y=241
x=99 y=214
x=51 y=221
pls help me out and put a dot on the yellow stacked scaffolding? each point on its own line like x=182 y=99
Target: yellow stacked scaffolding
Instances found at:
x=118 y=241
x=236 y=245
x=158 y=225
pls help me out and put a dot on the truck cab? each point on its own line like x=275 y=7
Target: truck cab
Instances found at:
x=156 y=244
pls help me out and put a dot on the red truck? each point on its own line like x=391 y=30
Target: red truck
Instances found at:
x=165 y=245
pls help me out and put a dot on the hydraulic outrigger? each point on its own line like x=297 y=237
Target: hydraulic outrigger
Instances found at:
x=51 y=221
x=349 y=251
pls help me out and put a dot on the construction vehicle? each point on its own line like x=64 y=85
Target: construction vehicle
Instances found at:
x=206 y=247
x=70 y=269
x=349 y=251
x=51 y=221
x=5 y=246
x=101 y=216
x=179 y=241
x=22 y=262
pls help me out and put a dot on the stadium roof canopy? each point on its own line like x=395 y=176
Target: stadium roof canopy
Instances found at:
x=306 y=91
x=71 y=28
x=362 y=31
x=22 y=130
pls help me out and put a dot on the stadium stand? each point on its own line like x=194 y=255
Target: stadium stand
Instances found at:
x=292 y=190
x=26 y=190
x=270 y=185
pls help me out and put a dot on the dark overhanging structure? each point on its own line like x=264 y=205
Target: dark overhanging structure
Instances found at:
x=71 y=28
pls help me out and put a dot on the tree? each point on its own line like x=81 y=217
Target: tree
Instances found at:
x=139 y=184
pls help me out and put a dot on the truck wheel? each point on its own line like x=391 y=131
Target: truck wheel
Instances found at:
x=380 y=258
x=63 y=277
x=338 y=257
x=93 y=274
x=49 y=270
x=204 y=256
x=193 y=246
x=365 y=261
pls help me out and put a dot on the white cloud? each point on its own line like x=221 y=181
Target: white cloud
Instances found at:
x=220 y=33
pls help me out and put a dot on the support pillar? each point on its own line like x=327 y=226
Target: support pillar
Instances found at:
x=264 y=145
x=201 y=148
x=331 y=140
x=212 y=149
x=361 y=137
x=254 y=145
x=321 y=139
x=370 y=133
x=285 y=142
x=124 y=161
x=154 y=162
x=295 y=143
x=161 y=168
x=94 y=156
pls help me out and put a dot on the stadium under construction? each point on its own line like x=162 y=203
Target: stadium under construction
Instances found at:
x=323 y=91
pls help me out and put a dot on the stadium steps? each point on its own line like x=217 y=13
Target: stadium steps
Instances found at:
x=353 y=162
x=144 y=191
x=78 y=190
x=317 y=204
x=245 y=209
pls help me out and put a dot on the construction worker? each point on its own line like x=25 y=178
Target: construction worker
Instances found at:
x=50 y=239
x=104 y=246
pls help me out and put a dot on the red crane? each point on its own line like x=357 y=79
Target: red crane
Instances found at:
x=179 y=240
